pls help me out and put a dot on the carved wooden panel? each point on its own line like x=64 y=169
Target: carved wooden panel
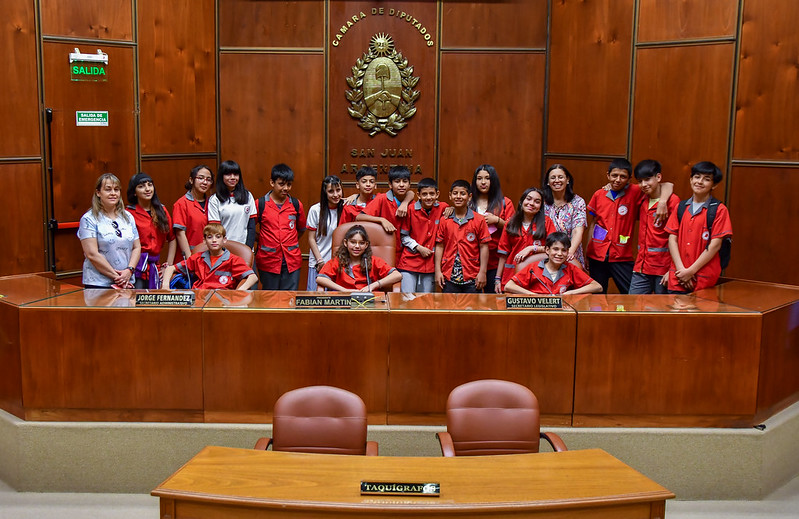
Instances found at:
x=103 y=19
x=262 y=125
x=475 y=24
x=762 y=207
x=682 y=109
x=19 y=102
x=663 y=20
x=766 y=124
x=177 y=76
x=254 y=23
x=491 y=112
x=589 y=74
x=378 y=113
x=23 y=213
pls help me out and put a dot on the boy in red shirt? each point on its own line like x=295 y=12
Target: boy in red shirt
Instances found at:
x=365 y=182
x=650 y=272
x=461 y=257
x=282 y=222
x=383 y=208
x=215 y=268
x=610 y=248
x=693 y=244
x=554 y=275
x=418 y=234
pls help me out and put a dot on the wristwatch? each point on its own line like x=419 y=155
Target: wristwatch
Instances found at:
x=131 y=269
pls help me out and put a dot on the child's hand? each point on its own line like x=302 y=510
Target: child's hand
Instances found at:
x=351 y=199
x=524 y=253
x=402 y=210
x=661 y=213
x=498 y=286
x=440 y=280
x=491 y=218
x=664 y=281
x=387 y=226
x=606 y=187
x=423 y=251
x=447 y=212
x=480 y=282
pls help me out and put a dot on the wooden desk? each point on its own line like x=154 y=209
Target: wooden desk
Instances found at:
x=223 y=482
x=439 y=341
x=257 y=346
x=664 y=360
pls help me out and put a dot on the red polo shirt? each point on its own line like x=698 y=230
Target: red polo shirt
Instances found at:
x=462 y=237
x=693 y=238
x=617 y=217
x=354 y=278
x=653 y=240
x=509 y=246
x=421 y=226
x=537 y=281
x=350 y=212
x=191 y=217
x=279 y=236
x=385 y=206
x=223 y=271
x=505 y=213
x=152 y=240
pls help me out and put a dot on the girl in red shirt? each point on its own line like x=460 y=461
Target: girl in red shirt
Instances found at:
x=155 y=228
x=190 y=212
x=354 y=269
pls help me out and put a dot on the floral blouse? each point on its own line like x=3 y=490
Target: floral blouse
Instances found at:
x=567 y=218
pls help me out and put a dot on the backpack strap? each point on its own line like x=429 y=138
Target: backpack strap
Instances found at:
x=260 y=206
x=712 y=207
x=681 y=207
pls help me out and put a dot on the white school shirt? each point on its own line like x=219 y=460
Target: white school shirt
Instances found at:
x=325 y=243
x=115 y=249
x=233 y=217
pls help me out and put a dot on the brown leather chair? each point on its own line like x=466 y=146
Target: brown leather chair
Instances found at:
x=383 y=244
x=487 y=417
x=239 y=249
x=319 y=419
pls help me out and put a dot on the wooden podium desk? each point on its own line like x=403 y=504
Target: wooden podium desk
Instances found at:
x=258 y=345
x=91 y=355
x=664 y=360
x=222 y=482
x=439 y=341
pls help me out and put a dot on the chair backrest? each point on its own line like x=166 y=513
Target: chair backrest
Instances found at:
x=487 y=417
x=319 y=419
x=383 y=245
x=239 y=249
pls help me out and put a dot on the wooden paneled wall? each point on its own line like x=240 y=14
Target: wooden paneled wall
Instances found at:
x=516 y=83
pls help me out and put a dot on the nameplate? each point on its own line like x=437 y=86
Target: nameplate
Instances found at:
x=533 y=302
x=161 y=299
x=377 y=488
x=323 y=301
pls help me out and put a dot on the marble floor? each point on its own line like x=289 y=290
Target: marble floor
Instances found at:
x=782 y=504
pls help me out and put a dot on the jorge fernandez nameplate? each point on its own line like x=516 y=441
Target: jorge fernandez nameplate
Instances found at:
x=400 y=489
x=170 y=299
x=533 y=302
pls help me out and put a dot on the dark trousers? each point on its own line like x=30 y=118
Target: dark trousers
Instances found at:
x=620 y=271
x=284 y=281
x=489 y=288
x=647 y=284
x=457 y=288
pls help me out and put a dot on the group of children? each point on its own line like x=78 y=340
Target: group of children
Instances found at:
x=452 y=246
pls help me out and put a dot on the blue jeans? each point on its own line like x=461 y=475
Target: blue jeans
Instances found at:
x=417 y=282
x=647 y=284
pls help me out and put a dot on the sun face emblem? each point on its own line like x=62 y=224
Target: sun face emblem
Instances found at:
x=382 y=82
x=382 y=44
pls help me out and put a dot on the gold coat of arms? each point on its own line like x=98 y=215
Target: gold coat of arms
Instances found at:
x=382 y=84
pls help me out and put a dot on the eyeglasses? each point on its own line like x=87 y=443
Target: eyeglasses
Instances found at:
x=204 y=179
x=115 y=225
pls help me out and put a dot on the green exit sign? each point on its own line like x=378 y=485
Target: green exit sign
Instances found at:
x=88 y=72
x=93 y=118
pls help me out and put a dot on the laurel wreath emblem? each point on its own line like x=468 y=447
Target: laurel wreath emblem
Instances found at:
x=382 y=45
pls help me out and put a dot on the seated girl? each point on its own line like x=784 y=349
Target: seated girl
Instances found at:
x=354 y=269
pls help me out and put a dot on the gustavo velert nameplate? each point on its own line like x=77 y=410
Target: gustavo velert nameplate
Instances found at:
x=170 y=299
x=323 y=301
x=377 y=488
x=533 y=302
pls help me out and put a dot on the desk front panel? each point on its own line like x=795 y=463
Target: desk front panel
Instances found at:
x=439 y=341
x=258 y=346
x=85 y=357
x=646 y=367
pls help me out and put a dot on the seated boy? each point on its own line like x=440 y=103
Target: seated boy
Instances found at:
x=554 y=275
x=365 y=182
x=418 y=233
x=215 y=267
x=382 y=209
x=461 y=257
x=610 y=248
x=650 y=272
x=282 y=221
x=696 y=231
